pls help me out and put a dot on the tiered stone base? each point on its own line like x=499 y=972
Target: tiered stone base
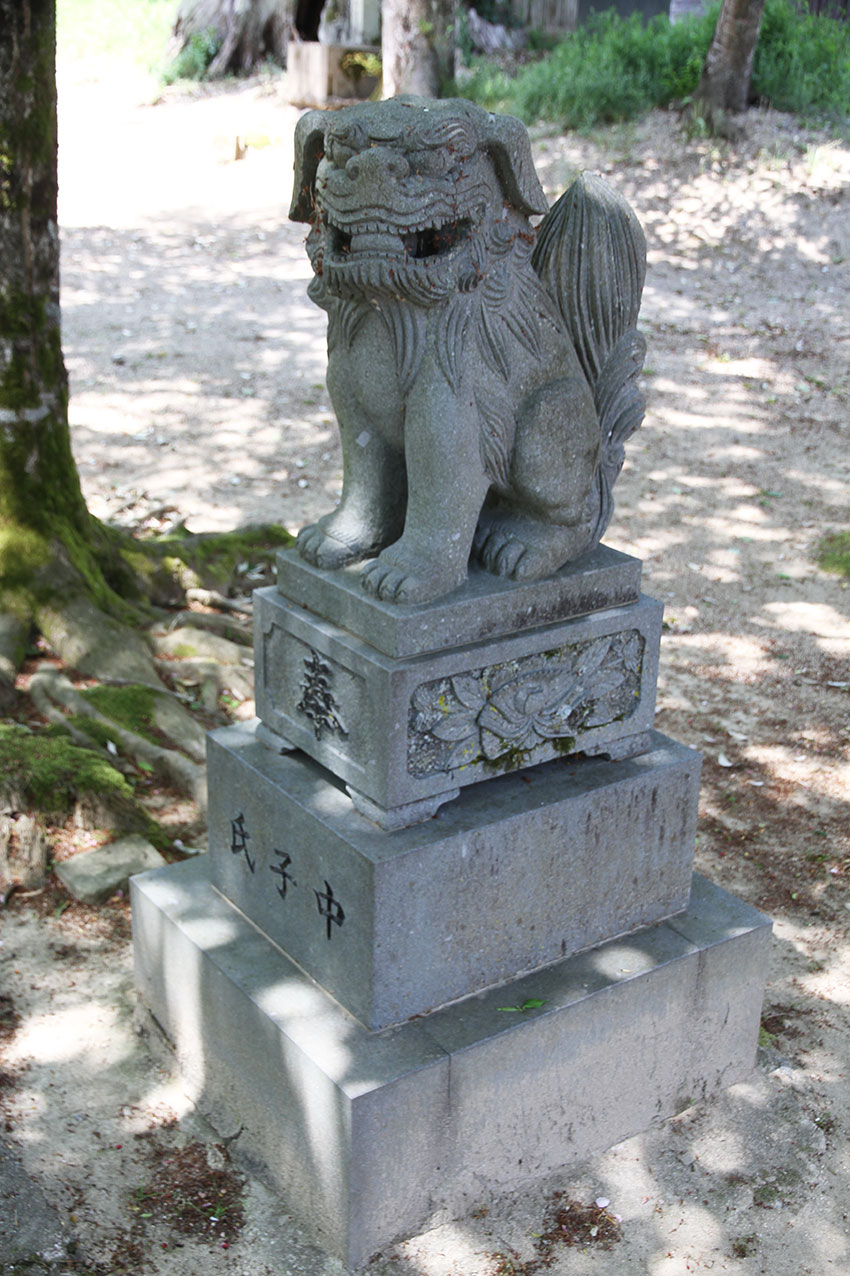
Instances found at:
x=515 y=873
x=369 y=1135
x=405 y=1012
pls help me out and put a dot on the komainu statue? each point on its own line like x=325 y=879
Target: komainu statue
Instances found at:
x=484 y=374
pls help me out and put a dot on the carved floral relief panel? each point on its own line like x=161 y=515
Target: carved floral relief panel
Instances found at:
x=498 y=715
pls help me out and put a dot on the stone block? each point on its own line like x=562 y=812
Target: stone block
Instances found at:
x=486 y=606
x=317 y=73
x=519 y=872
x=92 y=876
x=418 y=728
x=371 y=1135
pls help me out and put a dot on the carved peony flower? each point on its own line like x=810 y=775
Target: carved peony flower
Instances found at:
x=519 y=706
x=528 y=708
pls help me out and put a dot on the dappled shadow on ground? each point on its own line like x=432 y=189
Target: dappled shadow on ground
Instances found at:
x=197 y=367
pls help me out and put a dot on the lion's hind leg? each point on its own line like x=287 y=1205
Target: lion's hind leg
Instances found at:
x=511 y=544
x=542 y=520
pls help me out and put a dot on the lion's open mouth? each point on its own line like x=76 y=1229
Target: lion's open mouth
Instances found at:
x=372 y=240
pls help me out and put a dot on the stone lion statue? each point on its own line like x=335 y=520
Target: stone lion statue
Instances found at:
x=484 y=374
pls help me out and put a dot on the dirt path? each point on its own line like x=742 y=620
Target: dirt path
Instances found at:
x=197 y=377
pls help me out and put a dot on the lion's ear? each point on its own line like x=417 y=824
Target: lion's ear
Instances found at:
x=506 y=141
x=309 y=144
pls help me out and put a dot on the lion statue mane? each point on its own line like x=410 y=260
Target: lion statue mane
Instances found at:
x=483 y=373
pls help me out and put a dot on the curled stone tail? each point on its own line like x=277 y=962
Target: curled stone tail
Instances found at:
x=591 y=255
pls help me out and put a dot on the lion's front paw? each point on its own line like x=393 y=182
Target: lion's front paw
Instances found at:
x=322 y=549
x=399 y=577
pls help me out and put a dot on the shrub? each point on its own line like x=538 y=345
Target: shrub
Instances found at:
x=193 y=60
x=802 y=62
x=610 y=68
x=614 y=68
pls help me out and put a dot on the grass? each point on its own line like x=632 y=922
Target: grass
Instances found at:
x=833 y=553
x=612 y=68
x=802 y=63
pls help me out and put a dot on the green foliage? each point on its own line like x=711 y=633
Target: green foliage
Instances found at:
x=608 y=69
x=613 y=68
x=193 y=60
x=802 y=62
x=359 y=62
x=490 y=86
x=48 y=772
x=833 y=553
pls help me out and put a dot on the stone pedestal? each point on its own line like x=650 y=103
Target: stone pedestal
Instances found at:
x=408 y=705
x=370 y=1135
x=375 y=990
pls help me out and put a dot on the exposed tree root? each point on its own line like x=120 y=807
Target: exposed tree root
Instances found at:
x=186 y=775
x=235 y=630
x=143 y=684
x=13 y=645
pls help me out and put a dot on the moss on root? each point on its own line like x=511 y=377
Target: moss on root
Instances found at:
x=49 y=773
x=132 y=707
x=212 y=559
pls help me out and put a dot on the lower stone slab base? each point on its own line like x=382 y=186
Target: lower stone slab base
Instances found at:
x=371 y=1135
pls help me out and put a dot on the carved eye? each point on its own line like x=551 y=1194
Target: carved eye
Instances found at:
x=428 y=163
x=338 y=151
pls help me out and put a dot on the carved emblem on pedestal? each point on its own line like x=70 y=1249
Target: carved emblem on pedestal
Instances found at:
x=317 y=702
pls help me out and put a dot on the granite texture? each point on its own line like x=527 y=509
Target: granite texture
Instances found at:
x=92 y=876
x=401 y=730
x=485 y=606
x=484 y=372
x=517 y=873
x=617 y=1038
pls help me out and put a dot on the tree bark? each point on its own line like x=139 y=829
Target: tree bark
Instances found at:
x=417 y=46
x=725 y=84
x=247 y=31
x=39 y=485
x=53 y=553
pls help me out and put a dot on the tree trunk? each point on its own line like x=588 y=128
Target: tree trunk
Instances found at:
x=724 y=88
x=39 y=485
x=53 y=554
x=417 y=46
x=246 y=31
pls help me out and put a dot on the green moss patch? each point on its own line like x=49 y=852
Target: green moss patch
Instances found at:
x=833 y=553
x=215 y=558
x=49 y=772
x=132 y=707
x=22 y=553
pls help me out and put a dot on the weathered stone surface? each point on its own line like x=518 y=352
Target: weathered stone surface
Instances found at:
x=484 y=374
x=485 y=606
x=92 y=876
x=368 y=1135
x=515 y=874
x=23 y=850
x=401 y=730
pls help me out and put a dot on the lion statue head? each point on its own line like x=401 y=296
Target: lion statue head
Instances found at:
x=410 y=199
